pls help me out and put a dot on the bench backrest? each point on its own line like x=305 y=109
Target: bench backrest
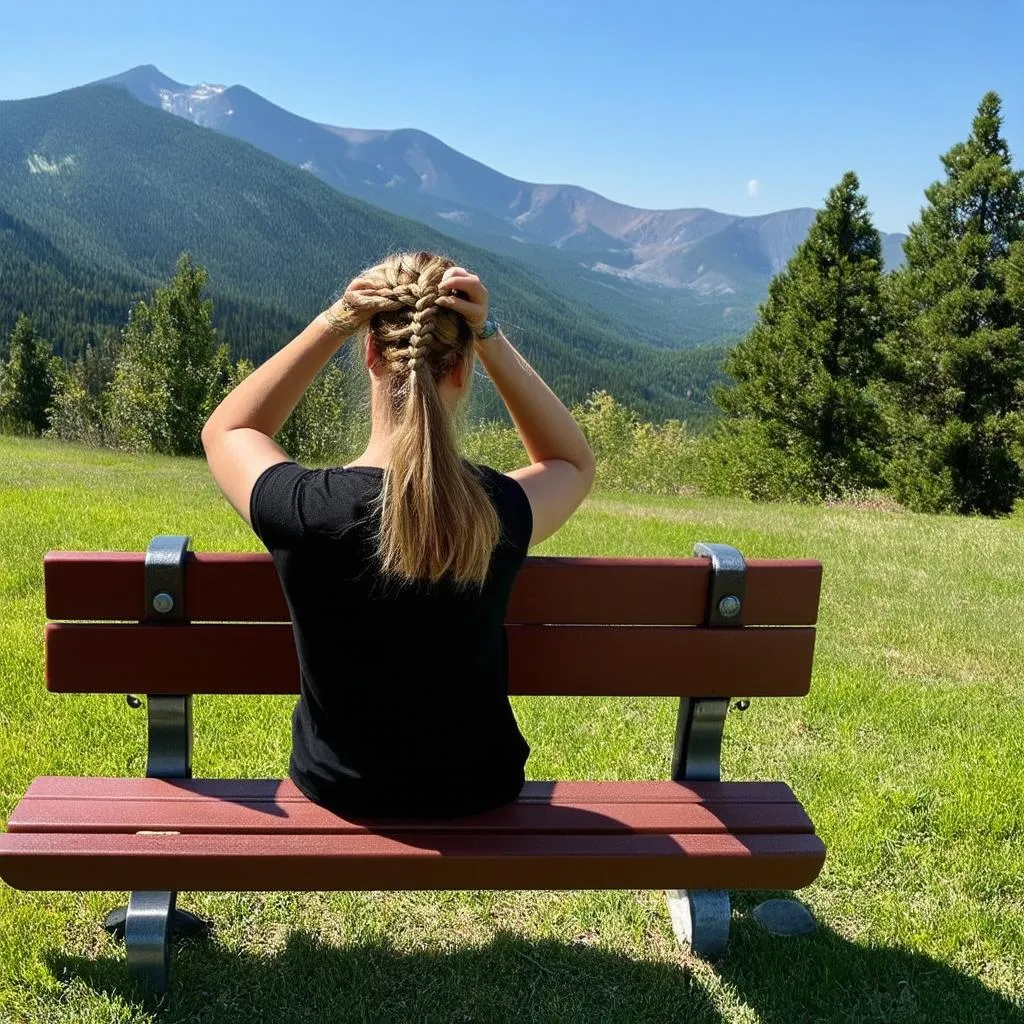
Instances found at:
x=576 y=626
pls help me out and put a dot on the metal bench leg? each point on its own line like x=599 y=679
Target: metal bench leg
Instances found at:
x=700 y=919
x=147 y=937
x=150 y=921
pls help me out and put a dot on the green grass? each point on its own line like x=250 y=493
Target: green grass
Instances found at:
x=908 y=755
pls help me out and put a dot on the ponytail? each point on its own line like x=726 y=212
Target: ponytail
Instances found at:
x=436 y=519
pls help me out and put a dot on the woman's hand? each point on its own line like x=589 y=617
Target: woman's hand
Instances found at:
x=472 y=302
x=356 y=307
x=357 y=299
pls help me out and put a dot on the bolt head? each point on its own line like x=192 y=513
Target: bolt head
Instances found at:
x=162 y=602
x=729 y=606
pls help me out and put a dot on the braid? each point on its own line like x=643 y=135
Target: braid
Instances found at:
x=421 y=341
x=436 y=519
x=417 y=341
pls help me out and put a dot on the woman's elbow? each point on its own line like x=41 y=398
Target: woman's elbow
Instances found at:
x=209 y=433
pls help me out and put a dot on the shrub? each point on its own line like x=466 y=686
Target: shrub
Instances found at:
x=496 y=445
x=633 y=455
x=737 y=458
x=315 y=431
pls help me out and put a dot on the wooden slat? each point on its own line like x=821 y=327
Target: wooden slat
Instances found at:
x=560 y=660
x=133 y=805
x=585 y=591
x=284 y=791
x=196 y=816
x=103 y=861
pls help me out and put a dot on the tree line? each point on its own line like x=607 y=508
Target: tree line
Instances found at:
x=911 y=381
x=152 y=388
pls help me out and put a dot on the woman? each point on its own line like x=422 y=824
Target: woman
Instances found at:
x=397 y=568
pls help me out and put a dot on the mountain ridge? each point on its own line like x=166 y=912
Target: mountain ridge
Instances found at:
x=120 y=189
x=414 y=174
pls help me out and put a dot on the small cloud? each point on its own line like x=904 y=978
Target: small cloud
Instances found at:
x=753 y=187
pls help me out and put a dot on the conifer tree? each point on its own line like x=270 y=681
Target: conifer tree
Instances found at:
x=804 y=371
x=171 y=372
x=27 y=380
x=956 y=353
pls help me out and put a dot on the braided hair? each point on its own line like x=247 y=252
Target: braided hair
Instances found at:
x=436 y=520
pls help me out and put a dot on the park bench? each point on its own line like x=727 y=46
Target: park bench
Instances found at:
x=169 y=624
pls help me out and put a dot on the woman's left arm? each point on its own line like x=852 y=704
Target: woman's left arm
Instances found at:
x=239 y=435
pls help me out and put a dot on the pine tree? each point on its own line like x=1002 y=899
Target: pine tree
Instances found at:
x=803 y=372
x=956 y=353
x=27 y=380
x=171 y=371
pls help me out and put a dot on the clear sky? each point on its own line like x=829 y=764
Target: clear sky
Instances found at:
x=738 y=105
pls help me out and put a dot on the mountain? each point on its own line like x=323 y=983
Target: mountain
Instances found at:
x=670 y=319
x=721 y=262
x=99 y=193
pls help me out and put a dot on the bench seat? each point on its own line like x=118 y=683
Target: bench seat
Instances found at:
x=229 y=835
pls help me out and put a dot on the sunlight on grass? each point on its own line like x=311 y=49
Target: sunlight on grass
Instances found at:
x=908 y=754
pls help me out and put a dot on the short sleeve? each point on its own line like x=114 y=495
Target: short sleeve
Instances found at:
x=513 y=507
x=275 y=505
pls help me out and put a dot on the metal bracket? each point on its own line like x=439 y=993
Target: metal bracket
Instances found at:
x=147 y=937
x=728 y=584
x=697 y=754
x=700 y=917
x=169 y=730
x=169 y=753
x=700 y=723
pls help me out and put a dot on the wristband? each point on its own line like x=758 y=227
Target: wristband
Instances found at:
x=489 y=329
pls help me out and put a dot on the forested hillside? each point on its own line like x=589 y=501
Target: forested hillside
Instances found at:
x=75 y=302
x=101 y=193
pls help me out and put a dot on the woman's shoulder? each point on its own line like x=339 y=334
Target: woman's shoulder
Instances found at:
x=511 y=503
x=291 y=501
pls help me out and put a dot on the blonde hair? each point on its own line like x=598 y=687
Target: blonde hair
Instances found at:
x=436 y=519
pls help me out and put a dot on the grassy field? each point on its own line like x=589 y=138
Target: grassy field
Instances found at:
x=909 y=755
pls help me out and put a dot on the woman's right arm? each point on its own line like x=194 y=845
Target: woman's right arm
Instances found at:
x=561 y=470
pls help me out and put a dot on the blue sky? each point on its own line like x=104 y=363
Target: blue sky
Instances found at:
x=740 y=106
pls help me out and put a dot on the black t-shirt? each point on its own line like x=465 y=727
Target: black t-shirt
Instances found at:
x=404 y=705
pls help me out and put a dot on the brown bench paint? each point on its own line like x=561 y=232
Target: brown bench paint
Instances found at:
x=131 y=805
x=583 y=591
x=565 y=637
x=547 y=660
x=284 y=791
x=274 y=863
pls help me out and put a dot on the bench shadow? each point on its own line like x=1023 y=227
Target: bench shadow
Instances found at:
x=818 y=978
x=824 y=977
x=261 y=795
x=509 y=979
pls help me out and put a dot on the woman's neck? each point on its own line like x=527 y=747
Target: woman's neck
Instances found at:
x=378 y=448
x=382 y=428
